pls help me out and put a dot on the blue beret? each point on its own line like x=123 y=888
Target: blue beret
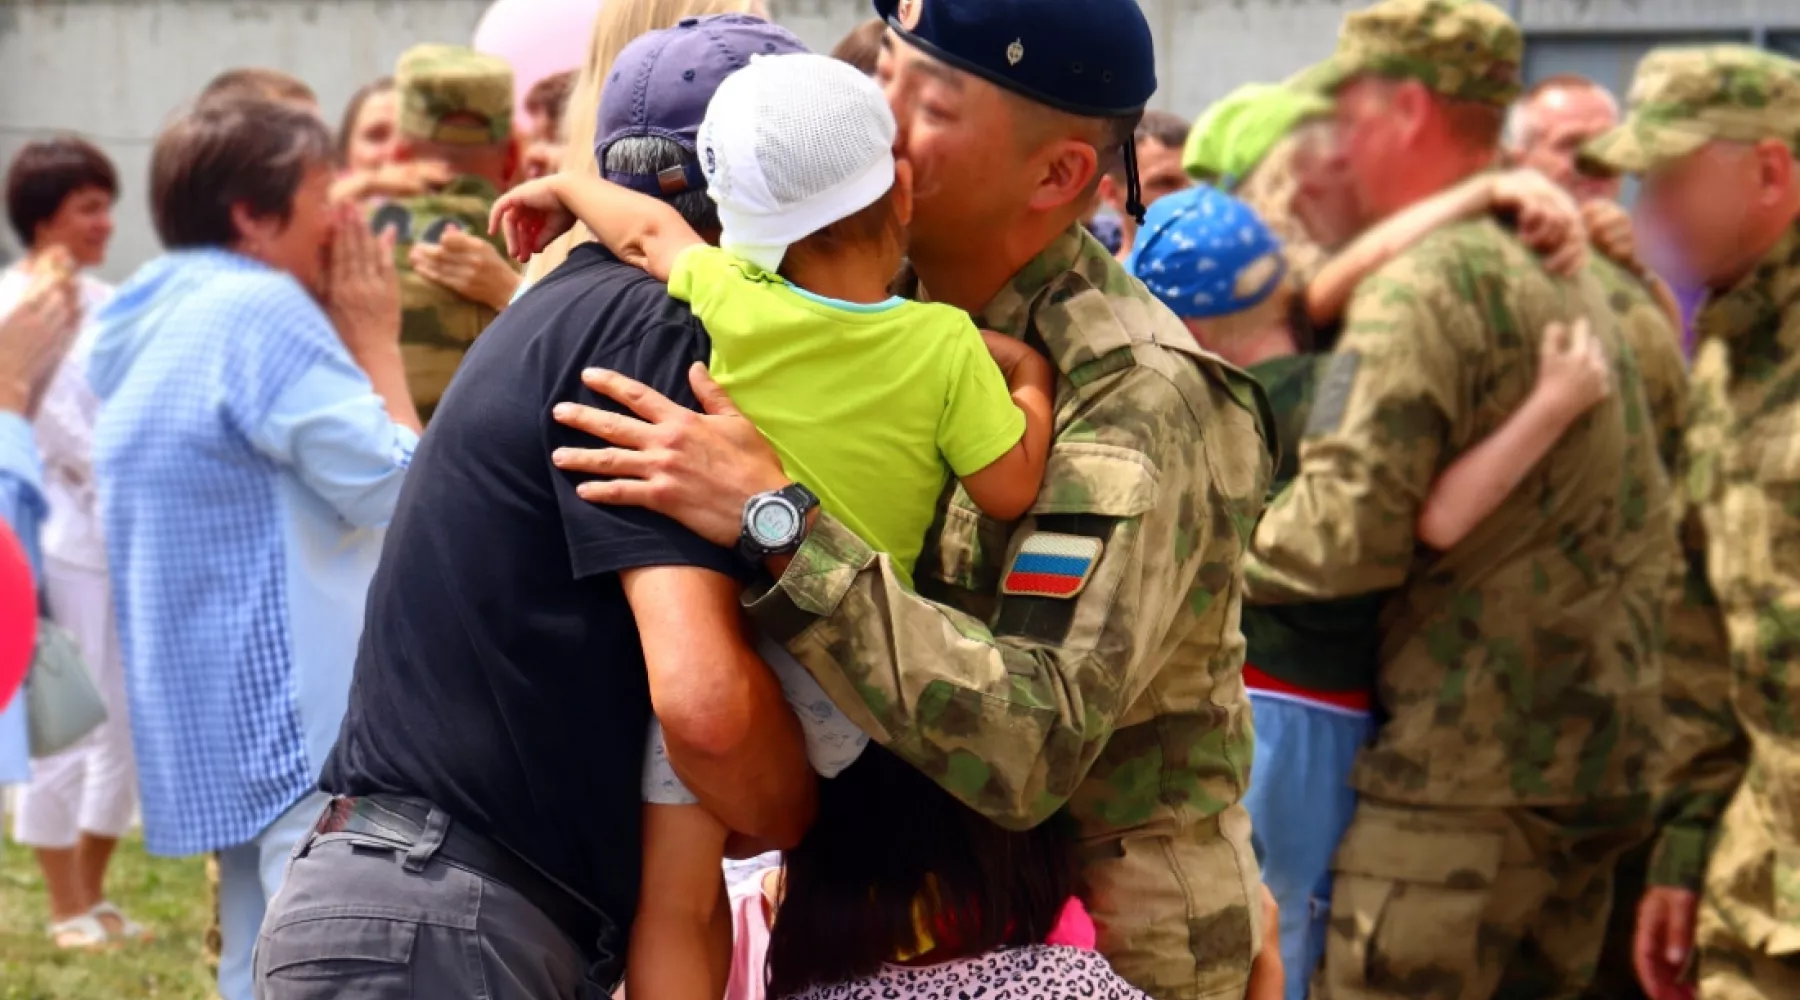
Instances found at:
x=1092 y=58
x=1206 y=254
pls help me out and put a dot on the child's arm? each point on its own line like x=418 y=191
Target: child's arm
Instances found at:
x=1268 y=979
x=1572 y=377
x=639 y=229
x=681 y=940
x=1006 y=488
x=1549 y=223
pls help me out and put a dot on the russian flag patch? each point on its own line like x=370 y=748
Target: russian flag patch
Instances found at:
x=1052 y=565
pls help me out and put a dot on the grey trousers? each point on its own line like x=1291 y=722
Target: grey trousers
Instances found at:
x=356 y=921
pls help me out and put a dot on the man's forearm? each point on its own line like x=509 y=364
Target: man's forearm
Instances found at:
x=387 y=373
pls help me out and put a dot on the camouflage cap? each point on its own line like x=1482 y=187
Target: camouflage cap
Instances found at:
x=454 y=95
x=1469 y=50
x=1683 y=98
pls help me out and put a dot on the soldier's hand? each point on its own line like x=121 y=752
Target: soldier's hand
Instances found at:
x=698 y=468
x=1573 y=371
x=1665 y=941
x=468 y=266
x=531 y=216
x=1549 y=220
x=363 y=299
x=1610 y=228
x=34 y=338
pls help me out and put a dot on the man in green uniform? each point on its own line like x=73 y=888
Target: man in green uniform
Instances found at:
x=1110 y=684
x=1713 y=131
x=1519 y=671
x=455 y=107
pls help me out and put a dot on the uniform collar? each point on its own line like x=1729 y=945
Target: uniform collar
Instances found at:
x=1010 y=311
x=1749 y=316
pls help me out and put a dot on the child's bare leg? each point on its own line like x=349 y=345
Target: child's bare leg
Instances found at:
x=681 y=941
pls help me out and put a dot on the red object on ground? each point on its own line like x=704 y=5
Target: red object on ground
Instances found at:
x=18 y=615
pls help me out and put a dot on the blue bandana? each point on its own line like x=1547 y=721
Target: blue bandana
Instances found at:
x=1206 y=254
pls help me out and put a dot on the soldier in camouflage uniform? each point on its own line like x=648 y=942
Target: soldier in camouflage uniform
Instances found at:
x=1113 y=688
x=1713 y=130
x=1519 y=671
x=455 y=106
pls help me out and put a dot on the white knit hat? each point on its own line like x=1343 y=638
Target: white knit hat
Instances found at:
x=790 y=145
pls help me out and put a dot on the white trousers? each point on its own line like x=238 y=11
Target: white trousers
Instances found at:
x=92 y=786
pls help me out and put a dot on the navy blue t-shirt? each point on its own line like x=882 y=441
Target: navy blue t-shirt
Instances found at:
x=500 y=675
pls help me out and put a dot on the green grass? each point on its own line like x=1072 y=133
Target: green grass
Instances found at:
x=168 y=897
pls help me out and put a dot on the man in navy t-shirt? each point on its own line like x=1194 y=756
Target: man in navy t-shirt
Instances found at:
x=486 y=836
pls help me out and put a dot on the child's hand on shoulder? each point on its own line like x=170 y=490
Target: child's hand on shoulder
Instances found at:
x=1573 y=371
x=1013 y=356
x=531 y=216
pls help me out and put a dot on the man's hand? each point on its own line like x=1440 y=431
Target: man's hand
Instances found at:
x=1268 y=979
x=699 y=469
x=364 y=296
x=1609 y=226
x=1665 y=940
x=1550 y=222
x=468 y=266
x=34 y=338
x=531 y=216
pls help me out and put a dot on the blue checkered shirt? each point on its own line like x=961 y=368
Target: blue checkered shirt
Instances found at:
x=22 y=508
x=247 y=473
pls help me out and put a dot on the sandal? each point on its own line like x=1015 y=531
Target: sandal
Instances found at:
x=83 y=933
x=129 y=929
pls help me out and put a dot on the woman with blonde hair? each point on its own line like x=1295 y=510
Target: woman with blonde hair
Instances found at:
x=619 y=22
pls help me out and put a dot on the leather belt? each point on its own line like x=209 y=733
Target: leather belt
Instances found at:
x=423 y=831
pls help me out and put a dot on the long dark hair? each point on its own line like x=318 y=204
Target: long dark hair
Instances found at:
x=887 y=836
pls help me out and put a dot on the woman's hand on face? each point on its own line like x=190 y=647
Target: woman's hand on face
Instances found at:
x=698 y=468
x=34 y=338
x=531 y=217
x=364 y=296
x=468 y=266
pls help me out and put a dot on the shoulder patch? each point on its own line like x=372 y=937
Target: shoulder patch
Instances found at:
x=1332 y=397
x=1052 y=565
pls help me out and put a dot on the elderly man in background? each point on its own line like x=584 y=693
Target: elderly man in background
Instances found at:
x=1160 y=139
x=456 y=107
x=1712 y=131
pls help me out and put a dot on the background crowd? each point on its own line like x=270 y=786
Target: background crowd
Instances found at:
x=1514 y=624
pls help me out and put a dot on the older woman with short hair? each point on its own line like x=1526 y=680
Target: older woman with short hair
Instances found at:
x=255 y=432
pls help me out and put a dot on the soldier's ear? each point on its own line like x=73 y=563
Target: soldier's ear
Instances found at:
x=1775 y=162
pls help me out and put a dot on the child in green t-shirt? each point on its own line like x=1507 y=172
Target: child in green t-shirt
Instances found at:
x=871 y=401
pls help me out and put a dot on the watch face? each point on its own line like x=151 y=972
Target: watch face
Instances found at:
x=773 y=523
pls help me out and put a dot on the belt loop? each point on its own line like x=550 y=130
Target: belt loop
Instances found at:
x=436 y=826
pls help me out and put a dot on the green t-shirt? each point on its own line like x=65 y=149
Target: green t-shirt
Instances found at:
x=870 y=406
x=1330 y=646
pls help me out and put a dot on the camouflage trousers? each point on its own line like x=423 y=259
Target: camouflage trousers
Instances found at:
x=1748 y=932
x=1471 y=904
x=1179 y=912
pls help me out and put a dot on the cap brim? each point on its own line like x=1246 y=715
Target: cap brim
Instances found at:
x=1638 y=147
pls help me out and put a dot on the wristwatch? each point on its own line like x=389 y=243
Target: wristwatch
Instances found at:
x=775 y=523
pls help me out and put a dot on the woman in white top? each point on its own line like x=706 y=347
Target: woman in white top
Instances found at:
x=59 y=199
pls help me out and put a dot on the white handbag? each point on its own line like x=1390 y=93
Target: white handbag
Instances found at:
x=62 y=703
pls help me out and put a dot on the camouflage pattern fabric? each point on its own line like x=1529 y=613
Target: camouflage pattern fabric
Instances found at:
x=212 y=942
x=437 y=325
x=1466 y=50
x=1468 y=904
x=1123 y=703
x=1735 y=783
x=1683 y=98
x=455 y=95
x=1522 y=667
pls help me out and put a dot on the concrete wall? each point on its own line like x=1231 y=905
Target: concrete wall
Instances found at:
x=113 y=69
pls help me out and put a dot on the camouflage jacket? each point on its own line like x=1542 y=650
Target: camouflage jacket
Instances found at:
x=1522 y=666
x=1735 y=784
x=437 y=325
x=1124 y=700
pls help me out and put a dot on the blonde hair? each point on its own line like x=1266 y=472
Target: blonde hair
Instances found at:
x=619 y=23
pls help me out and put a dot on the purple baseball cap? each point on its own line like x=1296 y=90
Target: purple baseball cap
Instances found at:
x=662 y=82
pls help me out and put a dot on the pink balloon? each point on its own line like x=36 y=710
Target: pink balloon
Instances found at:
x=539 y=37
x=18 y=615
